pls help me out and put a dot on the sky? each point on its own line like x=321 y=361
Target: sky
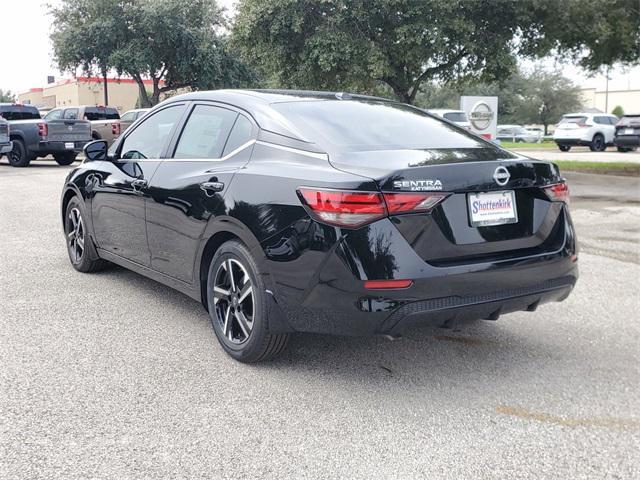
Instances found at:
x=28 y=63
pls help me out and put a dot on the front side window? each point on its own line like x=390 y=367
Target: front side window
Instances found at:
x=150 y=137
x=205 y=133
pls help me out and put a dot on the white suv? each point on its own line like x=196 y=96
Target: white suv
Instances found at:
x=595 y=130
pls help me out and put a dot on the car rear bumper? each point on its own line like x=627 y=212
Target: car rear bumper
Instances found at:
x=627 y=141
x=333 y=301
x=6 y=148
x=60 y=147
x=572 y=142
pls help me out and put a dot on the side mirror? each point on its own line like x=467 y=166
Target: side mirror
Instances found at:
x=96 y=150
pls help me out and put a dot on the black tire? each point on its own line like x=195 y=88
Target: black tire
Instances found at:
x=564 y=148
x=66 y=158
x=258 y=344
x=598 y=144
x=87 y=259
x=19 y=157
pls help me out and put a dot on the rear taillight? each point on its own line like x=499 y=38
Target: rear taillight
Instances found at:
x=115 y=128
x=583 y=125
x=558 y=192
x=351 y=209
x=43 y=130
x=387 y=284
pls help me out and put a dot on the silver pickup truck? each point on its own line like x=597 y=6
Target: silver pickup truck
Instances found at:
x=33 y=137
x=5 y=142
x=105 y=121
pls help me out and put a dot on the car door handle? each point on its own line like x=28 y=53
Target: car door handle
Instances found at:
x=139 y=184
x=212 y=187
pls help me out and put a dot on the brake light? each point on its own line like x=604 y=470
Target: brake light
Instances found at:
x=558 y=192
x=115 y=128
x=353 y=209
x=43 y=130
x=387 y=284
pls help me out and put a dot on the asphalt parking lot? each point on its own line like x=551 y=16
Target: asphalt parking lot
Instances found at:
x=111 y=375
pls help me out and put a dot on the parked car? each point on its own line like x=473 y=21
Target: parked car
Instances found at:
x=33 y=137
x=458 y=117
x=515 y=133
x=289 y=211
x=595 y=130
x=105 y=121
x=536 y=132
x=627 y=136
x=131 y=116
x=5 y=140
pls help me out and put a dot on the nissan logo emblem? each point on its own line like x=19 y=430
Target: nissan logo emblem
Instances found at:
x=501 y=176
x=481 y=115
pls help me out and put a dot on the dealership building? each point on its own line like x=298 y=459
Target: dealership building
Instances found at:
x=123 y=93
x=606 y=101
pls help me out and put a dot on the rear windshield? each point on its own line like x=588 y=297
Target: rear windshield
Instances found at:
x=343 y=125
x=573 y=120
x=456 y=116
x=101 y=113
x=18 y=112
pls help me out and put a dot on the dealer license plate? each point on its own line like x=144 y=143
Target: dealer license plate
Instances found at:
x=69 y=145
x=492 y=208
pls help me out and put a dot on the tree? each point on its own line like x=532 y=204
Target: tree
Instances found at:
x=6 y=96
x=594 y=33
x=86 y=35
x=175 y=44
x=354 y=44
x=618 y=111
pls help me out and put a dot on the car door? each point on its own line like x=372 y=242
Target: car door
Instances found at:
x=188 y=188
x=119 y=187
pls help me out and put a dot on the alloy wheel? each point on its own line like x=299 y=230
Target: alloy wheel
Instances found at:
x=75 y=235
x=234 y=301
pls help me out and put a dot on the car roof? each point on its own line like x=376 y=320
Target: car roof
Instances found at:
x=588 y=114
x=444 y=110
x=509 y=126
x=258 y=104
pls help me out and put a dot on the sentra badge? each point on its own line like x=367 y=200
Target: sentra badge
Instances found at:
x=418 y=185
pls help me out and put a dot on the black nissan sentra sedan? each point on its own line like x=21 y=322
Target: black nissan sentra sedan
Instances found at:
x=292 y=211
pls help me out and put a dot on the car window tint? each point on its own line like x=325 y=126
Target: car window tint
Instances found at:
x=573 y=120
x=240 y=134
x=94 y=113
x=205 y=133
x=70 y=114
x=345 y=125
x=111 y=114
x=149 y=137
x=19 y=112
x=54 y=115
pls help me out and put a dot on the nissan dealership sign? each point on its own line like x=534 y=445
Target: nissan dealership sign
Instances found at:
x=482 y=113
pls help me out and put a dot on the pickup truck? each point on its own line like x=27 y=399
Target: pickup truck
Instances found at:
x=33 y=137
x=105 y=121
x=5 y=142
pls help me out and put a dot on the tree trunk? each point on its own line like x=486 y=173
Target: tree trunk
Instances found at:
x=106 y=92
x=546 y=125
x=144 y=97
x=155 y=96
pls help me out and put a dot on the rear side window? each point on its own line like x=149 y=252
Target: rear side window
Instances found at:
x=456 y=116
x=205 y=133
x=242 y=133
x=111 y=114
x=54 y=115
x=602 y=120
x=70 y=114
x=345 y=125
x=19 y=112
x=573 y=120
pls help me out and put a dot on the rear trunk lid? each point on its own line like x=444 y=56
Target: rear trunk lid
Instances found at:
x=65 y=130
x=448 y=234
